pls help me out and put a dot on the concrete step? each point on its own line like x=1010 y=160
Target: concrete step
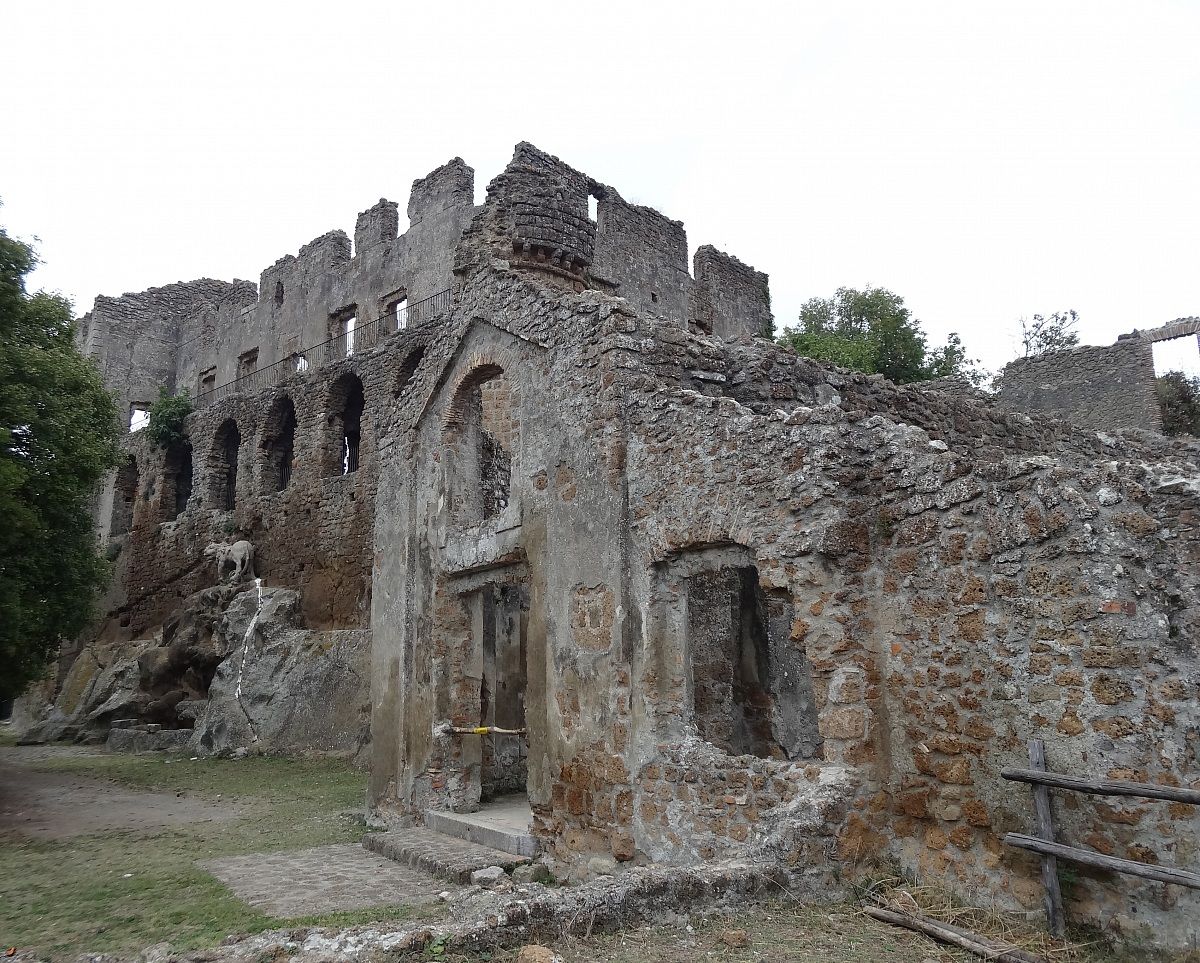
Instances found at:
x=444 y=856
x=502 y=825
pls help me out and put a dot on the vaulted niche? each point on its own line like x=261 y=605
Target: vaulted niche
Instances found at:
x=223 y=465
x=177 y=480
x=278 y=445
x=345 y=422
x=748 y=682
x=125 y=490
x=482 y=434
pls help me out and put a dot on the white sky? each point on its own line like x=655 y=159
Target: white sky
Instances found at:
x=986 y=160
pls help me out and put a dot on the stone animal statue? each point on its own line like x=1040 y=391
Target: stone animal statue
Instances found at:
x=235 y=562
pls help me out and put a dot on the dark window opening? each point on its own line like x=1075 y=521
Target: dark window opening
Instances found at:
x=730 y=655
x=408 y=371
x=495 y=474
x=346 y=411
x=125 y=490
x=247 y=363
x=223 y=465
x=278 y=293
x=341 y=330
x=278 y=445
x=177 y=480
x=483 y=434
x=397 y=309
x=654 y=297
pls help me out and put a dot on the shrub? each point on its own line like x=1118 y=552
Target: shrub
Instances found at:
x=166 y=418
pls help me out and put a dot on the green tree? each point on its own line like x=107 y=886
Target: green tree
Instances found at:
x=1054 y=332
x=1179 y=400
x=873 y=332
x=58 y=436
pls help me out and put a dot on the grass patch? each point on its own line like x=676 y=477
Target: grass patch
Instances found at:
x=117 y=892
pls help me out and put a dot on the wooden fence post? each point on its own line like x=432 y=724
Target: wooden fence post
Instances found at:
x=1045 y=830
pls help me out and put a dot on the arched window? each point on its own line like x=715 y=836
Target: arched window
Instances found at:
x=223 y=465
x=279 y=445
x=177 y=479
x=482 y=432
x=125 y=490
x=346 y=404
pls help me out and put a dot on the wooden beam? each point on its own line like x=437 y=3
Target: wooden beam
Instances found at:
x=955 y=936
x=1104 y=787
x=1052 y=895
x=1163 y=874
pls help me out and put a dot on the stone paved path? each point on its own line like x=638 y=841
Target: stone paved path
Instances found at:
x=322 y=880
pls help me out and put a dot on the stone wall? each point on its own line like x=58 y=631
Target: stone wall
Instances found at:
x=936 y=581
x=768 y=609
x=729 y=298
x=1106 y=387
x=645 y=253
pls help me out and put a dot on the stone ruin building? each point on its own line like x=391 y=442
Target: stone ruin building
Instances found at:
x=519 y=467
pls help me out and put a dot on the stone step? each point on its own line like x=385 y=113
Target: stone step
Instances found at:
x=502 y=827
x=444 y=856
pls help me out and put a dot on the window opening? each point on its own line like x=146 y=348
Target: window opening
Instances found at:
x=226 y=448
x=593 y=208
x=208 y=380
x=247 y=363
x=139 y=418
x=279 y=443
x=484 y=437
x=397 y=310
x=124 y=497
x=341 y=330
x=346 y=410
x=177 y=479
x=278 y=293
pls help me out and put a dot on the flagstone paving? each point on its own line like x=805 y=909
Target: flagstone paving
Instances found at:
x=324 y=879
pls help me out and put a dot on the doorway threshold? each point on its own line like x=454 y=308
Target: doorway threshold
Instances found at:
x=503 y=824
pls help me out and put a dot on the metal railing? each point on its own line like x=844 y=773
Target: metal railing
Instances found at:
x=362 y=337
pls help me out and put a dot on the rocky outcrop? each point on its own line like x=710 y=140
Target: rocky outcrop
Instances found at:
x=284 y=688
x=234 y=668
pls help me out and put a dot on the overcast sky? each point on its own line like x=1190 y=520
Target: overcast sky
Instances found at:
x=984 y=160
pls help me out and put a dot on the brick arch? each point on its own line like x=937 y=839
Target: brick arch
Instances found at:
x=480 y=367
x=481 y=435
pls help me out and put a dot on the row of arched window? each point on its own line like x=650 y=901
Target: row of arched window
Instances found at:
x=277 y=448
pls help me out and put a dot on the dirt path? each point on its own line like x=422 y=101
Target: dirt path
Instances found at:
x=45 y=804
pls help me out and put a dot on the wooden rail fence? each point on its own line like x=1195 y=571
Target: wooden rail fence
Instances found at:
x=1050 y=850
